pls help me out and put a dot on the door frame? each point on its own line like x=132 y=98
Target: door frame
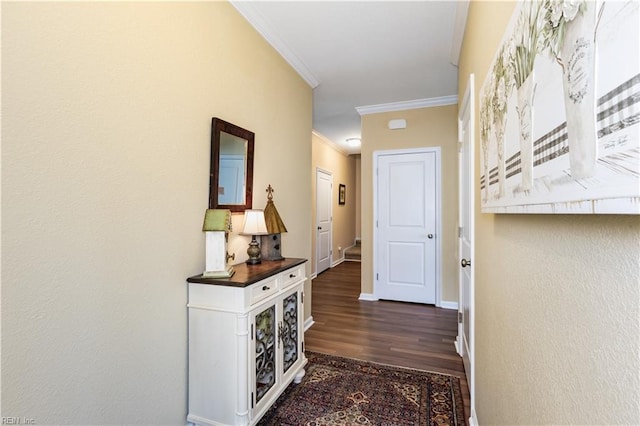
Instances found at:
x=315 y=225
x=438 y=211
x=467 y=105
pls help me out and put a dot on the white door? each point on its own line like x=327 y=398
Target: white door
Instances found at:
x=324 y=183
x=231 y=179
x=407 y=224
x=465 y=340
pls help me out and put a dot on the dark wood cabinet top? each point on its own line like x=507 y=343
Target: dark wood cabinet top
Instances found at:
x=246 y=275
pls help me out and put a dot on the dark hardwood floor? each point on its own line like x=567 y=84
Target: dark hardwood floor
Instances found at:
x=396 y=333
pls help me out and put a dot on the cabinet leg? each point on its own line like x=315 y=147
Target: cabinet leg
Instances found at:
x=299 y=376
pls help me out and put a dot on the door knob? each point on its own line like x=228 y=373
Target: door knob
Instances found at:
x=319 y=228
x=430 y=236
x=464 y=263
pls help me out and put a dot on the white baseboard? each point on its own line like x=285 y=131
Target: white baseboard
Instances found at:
x=337 y=262
x=443 y=304
x=449 y=305
x=308 y=323
x=473 y=420
x=457 y=345
x=367 y=296
x=313 y=276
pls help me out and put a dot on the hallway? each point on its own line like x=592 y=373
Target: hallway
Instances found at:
x=395 y=333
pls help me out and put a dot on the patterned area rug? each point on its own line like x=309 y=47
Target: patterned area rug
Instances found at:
x=342 y=391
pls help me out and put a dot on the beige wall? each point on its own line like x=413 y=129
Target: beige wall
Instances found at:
x=358 y=161
x=106 y=115
x=342 y=167
x=557 y=296
x=426 y=127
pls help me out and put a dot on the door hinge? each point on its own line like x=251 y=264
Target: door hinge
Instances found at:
x=251 y=399
x=251 y=331
x=377 y=277
x=302 y=297
x=459 y=317
x=302 y=346
x=459 y=231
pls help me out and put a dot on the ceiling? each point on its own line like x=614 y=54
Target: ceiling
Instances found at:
x=371 y=55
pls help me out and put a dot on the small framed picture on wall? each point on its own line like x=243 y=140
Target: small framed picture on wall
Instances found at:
x=342 y=194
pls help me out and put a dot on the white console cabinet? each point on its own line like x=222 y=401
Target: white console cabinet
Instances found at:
x=245 y=341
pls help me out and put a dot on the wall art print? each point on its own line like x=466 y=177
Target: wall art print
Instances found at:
x=560 y=111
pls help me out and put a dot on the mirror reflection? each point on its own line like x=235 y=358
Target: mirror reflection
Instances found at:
x=231 y=175
x=231 y=166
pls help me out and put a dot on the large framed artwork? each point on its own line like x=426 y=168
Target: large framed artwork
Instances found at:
x=560 y=111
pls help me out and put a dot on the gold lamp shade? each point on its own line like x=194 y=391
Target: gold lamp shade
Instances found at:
x=217 y=220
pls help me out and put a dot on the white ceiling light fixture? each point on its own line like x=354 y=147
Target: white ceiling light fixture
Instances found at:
x=353 y=141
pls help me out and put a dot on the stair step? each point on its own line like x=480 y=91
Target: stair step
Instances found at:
x=353 y=253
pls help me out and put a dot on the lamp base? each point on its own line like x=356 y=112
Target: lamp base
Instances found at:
x=254 y=252
x=227 y=273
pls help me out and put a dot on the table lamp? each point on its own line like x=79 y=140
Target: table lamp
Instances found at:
x=217 y=223
x=254 y=225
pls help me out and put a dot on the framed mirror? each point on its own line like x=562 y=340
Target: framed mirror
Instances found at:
x=231 y=176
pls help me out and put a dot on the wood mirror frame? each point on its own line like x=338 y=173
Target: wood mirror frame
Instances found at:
x=239 y=197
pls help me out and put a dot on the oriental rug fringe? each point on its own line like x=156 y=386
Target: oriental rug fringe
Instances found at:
x=343 y=391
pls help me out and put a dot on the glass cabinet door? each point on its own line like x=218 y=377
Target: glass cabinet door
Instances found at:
x=289 y=331
x=265 y=338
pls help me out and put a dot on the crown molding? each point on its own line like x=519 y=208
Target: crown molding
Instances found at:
x=322 y=138
x=462 y=10
x=404 y=105
x=251 y=14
